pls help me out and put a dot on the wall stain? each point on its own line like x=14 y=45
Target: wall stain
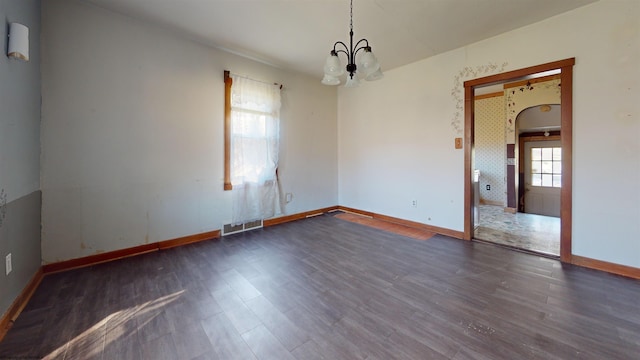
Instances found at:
x=3 y=206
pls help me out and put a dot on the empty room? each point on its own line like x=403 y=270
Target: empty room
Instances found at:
x=321 y=179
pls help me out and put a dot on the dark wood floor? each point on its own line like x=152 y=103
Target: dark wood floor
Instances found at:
x=327 y=288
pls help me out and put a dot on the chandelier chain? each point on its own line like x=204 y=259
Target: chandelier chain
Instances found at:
x=351 y=13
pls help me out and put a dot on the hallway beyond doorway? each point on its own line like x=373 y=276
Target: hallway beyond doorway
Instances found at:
x=529 y=232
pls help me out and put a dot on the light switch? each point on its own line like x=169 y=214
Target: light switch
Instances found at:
x=458 y=143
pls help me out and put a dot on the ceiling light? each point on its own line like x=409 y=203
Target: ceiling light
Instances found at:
x=368 y=64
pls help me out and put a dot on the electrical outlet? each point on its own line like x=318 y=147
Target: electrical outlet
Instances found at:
x=8 y=263
x=488 y=187
x=414 y=203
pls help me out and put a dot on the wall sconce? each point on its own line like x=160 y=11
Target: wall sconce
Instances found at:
x=18 y=42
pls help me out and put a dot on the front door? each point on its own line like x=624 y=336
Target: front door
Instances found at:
x=542 y=177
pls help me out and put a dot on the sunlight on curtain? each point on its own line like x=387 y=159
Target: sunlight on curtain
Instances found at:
x=255 y=140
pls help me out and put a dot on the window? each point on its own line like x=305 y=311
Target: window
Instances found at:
x=546 y=166
x=252 y=120
x=251 y=130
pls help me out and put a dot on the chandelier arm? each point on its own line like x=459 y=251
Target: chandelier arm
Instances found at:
x=366 y=44
x=346 y=48
x=361 y=48
x=342 y=51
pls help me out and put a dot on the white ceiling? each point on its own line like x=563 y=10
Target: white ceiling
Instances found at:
x=534 y=119
x=298 y=34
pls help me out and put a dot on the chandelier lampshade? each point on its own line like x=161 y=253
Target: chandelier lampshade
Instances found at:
x=352 y=82
x=332 y=66
x=368 y=63
x=330 y=80
x=376 y=75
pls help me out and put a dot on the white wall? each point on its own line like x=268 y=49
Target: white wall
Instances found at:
x=396 y=141
x=132 y=133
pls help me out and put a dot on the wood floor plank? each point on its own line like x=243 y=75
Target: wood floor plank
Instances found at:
x=264 y=345
x=308 y=351
x=323 y=288
x=225 y=339
x=121 y=338
x=192 y=342
x=161 y=348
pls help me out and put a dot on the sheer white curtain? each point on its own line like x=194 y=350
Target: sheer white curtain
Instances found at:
x=255 y=140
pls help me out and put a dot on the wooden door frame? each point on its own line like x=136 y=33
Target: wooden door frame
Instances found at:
x=566 y=127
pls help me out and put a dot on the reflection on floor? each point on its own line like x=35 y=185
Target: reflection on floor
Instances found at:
x=525 y=231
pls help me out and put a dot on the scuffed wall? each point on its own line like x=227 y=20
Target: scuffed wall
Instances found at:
x=132 y=133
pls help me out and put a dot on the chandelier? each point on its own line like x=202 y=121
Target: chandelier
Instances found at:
x=368 y=64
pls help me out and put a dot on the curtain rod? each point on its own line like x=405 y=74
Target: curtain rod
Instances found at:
x=227 y=74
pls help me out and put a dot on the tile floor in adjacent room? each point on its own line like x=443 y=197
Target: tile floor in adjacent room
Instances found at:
x=529 y=232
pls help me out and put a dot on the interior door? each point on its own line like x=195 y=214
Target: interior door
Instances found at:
x=542 y=177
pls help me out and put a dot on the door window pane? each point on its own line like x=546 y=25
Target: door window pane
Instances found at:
x=557 y=154
x=546 y=166
x=536 y=179
x=536 y=153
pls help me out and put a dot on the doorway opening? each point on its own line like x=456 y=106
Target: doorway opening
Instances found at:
x=514 y=175
x=519 y=203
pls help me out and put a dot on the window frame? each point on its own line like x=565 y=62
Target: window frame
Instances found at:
x=228 y=81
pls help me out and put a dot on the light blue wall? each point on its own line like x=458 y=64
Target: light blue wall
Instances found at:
x=20 y=202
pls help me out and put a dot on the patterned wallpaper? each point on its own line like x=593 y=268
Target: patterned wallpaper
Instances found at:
x=457 y=92
x=490 y=148
x=523 y=97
